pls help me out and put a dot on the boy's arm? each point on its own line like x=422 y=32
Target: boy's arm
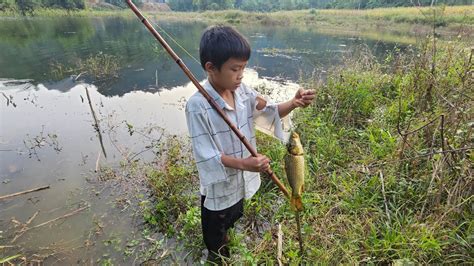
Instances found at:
x=302 y=98
x=253 y=164
x=267 y=116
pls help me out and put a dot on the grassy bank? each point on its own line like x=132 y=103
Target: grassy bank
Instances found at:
x=50 y=12
x=450 y=20
x=389 y=158
x=451 y=15
x=393 y=22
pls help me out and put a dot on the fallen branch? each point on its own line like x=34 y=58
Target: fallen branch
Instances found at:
x=77 y=77
x=2 y=247
x=6 y=97
x=50 y=221
x=61 y=217
x=23 y=192
x=25 y=227
x=96 y=125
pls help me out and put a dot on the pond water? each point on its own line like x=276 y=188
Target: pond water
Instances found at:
x=47 y=132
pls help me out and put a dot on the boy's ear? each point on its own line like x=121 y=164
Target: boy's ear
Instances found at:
x=209 y=67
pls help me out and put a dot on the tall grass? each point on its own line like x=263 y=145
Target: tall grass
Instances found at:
x=453 y=14
x=412 y=15
x=390 y=148
x=389 y=156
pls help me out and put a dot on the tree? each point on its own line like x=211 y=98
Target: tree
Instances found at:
x=181 y=5
x=69 y=5
x=25 y=7
x=213 y=4
x=5 y=5
x=286 y=4
x=249 y=5
x=238 y=3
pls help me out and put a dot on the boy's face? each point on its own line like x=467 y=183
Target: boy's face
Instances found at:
x=229 y=76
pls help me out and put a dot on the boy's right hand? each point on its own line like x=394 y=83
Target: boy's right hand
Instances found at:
x=261 y=163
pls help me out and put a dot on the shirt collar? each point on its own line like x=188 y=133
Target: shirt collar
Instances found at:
x=214 y=95
x=239 y=95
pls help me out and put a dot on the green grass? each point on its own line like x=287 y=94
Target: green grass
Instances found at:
x=452 y=14
x=51 y=12
x=411 y=15
x=389 y=24
x=353 y=148
x=383 y=23
x=371 y=127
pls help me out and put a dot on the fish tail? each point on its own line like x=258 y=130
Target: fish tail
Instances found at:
x=296 y=203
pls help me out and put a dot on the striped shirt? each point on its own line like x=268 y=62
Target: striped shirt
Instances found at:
x=211 y=137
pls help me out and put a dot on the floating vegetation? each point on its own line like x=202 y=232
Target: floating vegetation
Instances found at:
x=100 y=66
x=97 y=67
x=291 y=50
x=33 y=144
x=9 y=99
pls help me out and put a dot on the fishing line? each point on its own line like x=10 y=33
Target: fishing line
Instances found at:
x=175 y=42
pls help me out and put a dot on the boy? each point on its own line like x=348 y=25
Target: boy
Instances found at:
x=227 y=171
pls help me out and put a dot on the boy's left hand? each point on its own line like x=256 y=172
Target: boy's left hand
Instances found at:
x=303 y=98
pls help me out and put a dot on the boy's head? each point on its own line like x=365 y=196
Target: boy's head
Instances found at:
x=224 y=53
x=219 y=43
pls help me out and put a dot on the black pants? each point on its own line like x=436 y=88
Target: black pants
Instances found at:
x=215 y=225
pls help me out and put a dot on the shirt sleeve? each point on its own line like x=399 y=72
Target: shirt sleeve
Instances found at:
x=268 y=119
x=205 y=149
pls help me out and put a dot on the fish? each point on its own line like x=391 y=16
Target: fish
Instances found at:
x=295 y=170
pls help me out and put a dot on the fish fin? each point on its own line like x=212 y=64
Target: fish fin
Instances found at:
x=296 y=203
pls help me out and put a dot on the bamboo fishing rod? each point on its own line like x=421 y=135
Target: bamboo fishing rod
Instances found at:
x=206 y=95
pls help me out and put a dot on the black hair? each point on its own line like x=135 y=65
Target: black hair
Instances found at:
x=219 y=43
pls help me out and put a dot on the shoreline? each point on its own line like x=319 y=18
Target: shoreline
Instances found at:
x=401 y=24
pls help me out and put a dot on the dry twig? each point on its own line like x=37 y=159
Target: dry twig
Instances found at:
x=23 y=192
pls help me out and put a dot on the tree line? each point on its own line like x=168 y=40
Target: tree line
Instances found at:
x=274 y=5
x=28 y=6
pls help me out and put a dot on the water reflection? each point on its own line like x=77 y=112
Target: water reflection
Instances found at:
x=48 y=138
x=47 y=133
x=276 y=51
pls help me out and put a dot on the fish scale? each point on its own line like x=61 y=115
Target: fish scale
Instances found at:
x=295 y=171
